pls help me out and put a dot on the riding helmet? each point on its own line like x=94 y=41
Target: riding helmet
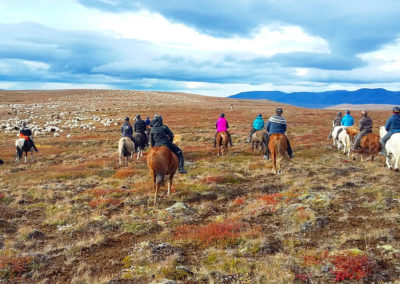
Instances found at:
x=138 y=116
x=260 y=115
x=157 y=115
x=23 y=123
x=364 y=113
x=339 y=113
x=222 y=115
x=396 y=109
x=279 y=111
x=347 y=112
x=127 y=118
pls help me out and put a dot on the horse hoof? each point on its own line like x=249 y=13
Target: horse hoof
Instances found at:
x=279 y=172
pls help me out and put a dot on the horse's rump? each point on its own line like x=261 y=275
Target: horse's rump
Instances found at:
x=370 y=143
x=162 y=160
x=222 y=138
x=258 y=136
x=126 y=146
x=278 y=145
x=141 y=140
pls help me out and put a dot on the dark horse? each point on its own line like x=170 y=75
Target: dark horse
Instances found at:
x=277 y=145
x=23 y=146
x=141 y=143
x=1 y=162
x=161 y=162
x=222 y=141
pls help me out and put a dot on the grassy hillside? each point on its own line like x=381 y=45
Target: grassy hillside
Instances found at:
x=75 y=216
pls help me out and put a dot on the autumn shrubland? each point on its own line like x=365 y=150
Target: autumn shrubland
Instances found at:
x=74 y=216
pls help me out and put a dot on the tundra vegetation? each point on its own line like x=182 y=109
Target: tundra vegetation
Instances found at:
x=75 y=216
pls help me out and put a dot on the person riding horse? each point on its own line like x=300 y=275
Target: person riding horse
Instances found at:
x=392 y=126
x=258 y=124
x=26 y=133
x=147 y=122
x=161 y=135
x=276 y=125
x=127 y=130
x=336 y=122
x=346 y=122
x=140 y=127
x=365 y=126
x=222 y=125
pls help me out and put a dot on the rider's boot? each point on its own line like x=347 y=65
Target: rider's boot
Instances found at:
x=215 y=144
x=181 y=168
x=383 y=149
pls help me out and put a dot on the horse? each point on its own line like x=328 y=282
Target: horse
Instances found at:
x=126 y=148
x=352 y=131
x=392 y=149
x=334 y=135
x=370 y=145
x=23 y=146
x=1 y=162
x=257 y=139
x=161 y=162
x=222 y=141
x=141 y=143
x=277 y=146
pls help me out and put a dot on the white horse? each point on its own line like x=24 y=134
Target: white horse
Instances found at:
x=126 y=148
x=392 y=149
x=343 y=140
x=22 y=147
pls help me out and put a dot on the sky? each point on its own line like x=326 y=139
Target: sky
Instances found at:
x=208 y=47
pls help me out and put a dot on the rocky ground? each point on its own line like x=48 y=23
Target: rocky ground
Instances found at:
x=74 y=216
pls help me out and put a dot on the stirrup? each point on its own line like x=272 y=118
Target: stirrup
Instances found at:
x=182 y=170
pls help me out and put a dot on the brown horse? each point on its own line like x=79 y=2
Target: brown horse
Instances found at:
x=277 y=146
x=370 y=146
x=352 y=131
x=222 y=141
x=258 y=139
x=161 y=162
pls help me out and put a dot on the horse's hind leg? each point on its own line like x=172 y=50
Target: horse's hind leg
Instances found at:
x=171 y=177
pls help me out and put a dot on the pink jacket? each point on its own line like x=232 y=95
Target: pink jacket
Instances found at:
x=222 y=124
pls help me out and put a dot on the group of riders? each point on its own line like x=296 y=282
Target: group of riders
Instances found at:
x=158 y=134
x=365 y=127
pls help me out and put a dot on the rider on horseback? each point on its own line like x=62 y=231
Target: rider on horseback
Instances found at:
x=26 y=133
x=161 y=135
x=336 y=122
x=392 y=126
x=346 y=122
x=258 y=124
x=276 y=124
x=140 y=127
x=365 y=126
x=127 y=130
x=222 y=125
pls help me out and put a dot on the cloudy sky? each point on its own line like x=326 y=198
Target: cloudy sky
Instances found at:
x=211 y=47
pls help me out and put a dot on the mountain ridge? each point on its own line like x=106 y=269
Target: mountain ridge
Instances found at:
x=326 y=99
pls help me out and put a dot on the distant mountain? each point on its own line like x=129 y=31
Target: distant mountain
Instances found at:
x=326 y=99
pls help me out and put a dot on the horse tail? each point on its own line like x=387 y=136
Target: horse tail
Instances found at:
x=281 y=148
x=347 y=140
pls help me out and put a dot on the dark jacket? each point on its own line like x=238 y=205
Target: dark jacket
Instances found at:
x=147 y=121
x=26 y=131
x=393 y=124
x=365 y=124
x=337 y=121
x=160 y=135
x=276 y=124
x=140 y=126
x=127 y=130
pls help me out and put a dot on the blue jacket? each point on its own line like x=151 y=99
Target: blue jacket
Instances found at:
x=276 y=124
x=258 y=123
x=347 y=120
x=393 y=124
x=126 y=130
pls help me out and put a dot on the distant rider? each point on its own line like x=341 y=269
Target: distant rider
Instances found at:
x=258 y=124
x=147 y=121
x=365 y=126
x=276 y=125
x=336 y=122
x=222 y=125
x=127 y=130
x=140 y=127
x=346 y=122
x=26 y=133
x=161 y=135
x=392 y=126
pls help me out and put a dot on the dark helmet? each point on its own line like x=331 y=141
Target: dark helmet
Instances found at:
x=347 y=112
x=127 y=118
x=364 y=113
x=279 y=111
x=396 y=109
x=157 y=115
x=260 y=115
x=339 y=113
x=222 y=115
x=23 y=123
x=138 y=116
x=147 y=117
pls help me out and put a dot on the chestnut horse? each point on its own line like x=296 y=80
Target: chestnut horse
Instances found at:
x=258 y=139
x=222 y=141
x=161 y=162
x=370 y=146
x=277 y=146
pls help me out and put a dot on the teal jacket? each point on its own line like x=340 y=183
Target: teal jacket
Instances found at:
x=258 y=123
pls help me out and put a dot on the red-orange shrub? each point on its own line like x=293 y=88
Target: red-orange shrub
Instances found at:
x=124 y=173
x=218 y=232
x=13 y=267
x=350 y=266
x=239 y=201
x=2 y=196
x=103 y=202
